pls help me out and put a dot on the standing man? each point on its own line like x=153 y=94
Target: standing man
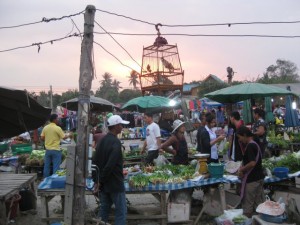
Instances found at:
x=51 y=135
x=235 y=146
x=152 y=142
x=109 y=160
x=259 y=129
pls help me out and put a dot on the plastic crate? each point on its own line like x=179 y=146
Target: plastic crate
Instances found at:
x=281 y=172
x=216 y=170
x=14 y=146
x=58 y=182
x=22 y=150
x=3 y=148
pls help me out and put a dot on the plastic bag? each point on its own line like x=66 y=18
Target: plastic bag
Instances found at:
x=160 y=160
x=221 y=146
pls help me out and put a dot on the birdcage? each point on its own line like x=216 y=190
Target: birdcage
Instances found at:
x=161 y=68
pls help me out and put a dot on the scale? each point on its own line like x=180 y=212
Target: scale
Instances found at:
x=202 y=159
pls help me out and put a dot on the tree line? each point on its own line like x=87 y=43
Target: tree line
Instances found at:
x=283 y=71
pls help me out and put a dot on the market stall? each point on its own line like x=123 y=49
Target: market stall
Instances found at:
x=160 y=189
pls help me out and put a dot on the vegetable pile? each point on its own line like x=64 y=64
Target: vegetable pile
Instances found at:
x=163 y=174
x=291 y=161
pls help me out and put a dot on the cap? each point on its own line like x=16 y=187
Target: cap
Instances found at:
x=116 y=119
x=177 y=124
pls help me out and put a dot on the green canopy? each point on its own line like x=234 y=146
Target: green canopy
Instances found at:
x=144 y=103
x=245 y=91
x=269 y=117
x=247 y=112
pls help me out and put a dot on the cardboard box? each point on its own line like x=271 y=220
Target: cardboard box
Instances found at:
x=178 y=212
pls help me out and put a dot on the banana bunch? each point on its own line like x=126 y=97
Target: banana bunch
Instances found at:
x=61 y=172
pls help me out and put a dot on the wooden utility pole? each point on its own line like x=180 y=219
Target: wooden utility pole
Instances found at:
x=51 y=98
x=75 y=191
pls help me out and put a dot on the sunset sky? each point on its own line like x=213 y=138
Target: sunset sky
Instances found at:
x=57 y=64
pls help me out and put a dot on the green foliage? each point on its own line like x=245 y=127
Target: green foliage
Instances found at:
x=109 y=89
x=128 y=94
x=206 y=87
x=134 y=79
x=283 y=72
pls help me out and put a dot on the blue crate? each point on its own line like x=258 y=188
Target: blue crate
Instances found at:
x=58 y=182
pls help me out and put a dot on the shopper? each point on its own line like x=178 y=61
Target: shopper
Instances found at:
x=259 y=129
x=51 y=135
x=152 y=142
x=110 y=182
x=209 y=139
x=236 y=148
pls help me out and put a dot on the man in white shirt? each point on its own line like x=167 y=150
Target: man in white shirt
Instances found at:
x=152 y=142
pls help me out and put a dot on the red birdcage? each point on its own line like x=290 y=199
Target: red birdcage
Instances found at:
x=161 y=68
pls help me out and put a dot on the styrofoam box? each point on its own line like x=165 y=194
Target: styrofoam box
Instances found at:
x=178 y=212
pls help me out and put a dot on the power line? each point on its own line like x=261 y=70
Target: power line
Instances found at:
x=204 y=35
x=44 y=20
x=127 y=17
x=113 y=55
x=118 y=43
x=41 y=43
x=203 y=25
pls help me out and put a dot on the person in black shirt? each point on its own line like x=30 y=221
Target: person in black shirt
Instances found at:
x=259 y=129
x=251 y=173
x=109 y=160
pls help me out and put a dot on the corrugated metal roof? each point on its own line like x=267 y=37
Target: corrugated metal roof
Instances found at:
x=295 y=87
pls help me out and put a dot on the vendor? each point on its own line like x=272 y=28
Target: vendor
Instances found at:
x=178 y=143
x=251 y=173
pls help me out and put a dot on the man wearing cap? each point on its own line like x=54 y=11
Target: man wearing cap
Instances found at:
x=152 y=142
x=52 y=134
x=110 y=181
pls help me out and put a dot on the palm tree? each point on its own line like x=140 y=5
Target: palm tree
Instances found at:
x=116 y=85
x=133 y=79
x=107 y=80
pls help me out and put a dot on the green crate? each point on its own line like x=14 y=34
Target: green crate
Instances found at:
x=14 y=146
x=22 y=150
x=3 y=148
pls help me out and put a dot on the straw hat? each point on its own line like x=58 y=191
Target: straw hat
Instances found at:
x=177 y=124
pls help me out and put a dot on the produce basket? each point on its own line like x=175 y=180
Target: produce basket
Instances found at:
x=216 y=170
x=273 y=219
x=3 y=148
x=281 y=172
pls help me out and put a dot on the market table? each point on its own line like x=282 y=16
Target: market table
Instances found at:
x=11 y=184
x=158 y=190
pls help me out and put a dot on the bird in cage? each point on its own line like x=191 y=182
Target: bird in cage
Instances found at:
x=167 y=65
x=148 y=68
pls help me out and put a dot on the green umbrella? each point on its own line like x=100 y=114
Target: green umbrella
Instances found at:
x=245 y=91
x=247 y=112
x=269 y=117
x=148 y=103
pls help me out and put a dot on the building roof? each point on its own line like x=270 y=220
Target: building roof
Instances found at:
x=214 y=77
x=295 y=87
x=188 y=87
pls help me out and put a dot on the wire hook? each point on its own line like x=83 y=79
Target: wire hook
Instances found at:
x=156 y=27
